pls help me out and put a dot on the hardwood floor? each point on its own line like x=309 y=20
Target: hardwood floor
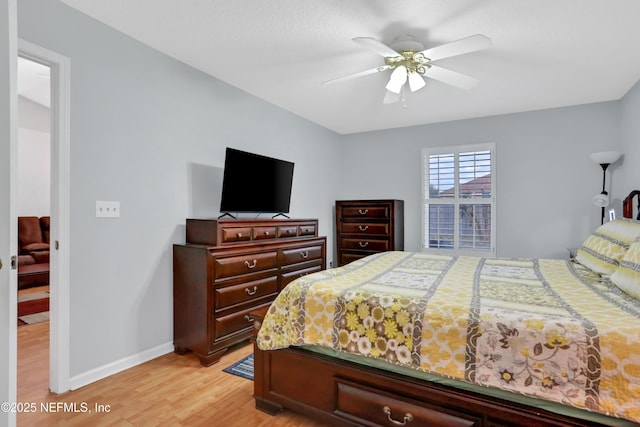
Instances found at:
x=171 y=390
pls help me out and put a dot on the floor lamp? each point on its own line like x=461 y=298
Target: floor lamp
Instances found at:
x=604 y=159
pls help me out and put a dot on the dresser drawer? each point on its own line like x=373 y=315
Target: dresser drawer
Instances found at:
x=293 y=275
x=301 y=254
x=261 y=233
x=235 y=322
x=365 y=244
x=236 y=234
x=236 y=294
x=287 y=231
x=372 y=407
x=347 y=257
x=364 y=228
x=234 y=266
x=307 y=230
x=365 y=211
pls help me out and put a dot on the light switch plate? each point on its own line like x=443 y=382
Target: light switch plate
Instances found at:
x=107 y=209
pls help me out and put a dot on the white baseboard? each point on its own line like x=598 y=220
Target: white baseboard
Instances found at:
x=112 y=368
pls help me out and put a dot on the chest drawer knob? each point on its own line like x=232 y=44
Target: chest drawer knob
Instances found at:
x=363 y=227
x=304 y=254
x=407 y=417
x=239 y=235
x=363 y=244
x=255 y=262
x=363 y=211
x=255 y=289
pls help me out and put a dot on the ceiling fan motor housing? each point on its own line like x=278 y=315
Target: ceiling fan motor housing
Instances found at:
x=408 y=49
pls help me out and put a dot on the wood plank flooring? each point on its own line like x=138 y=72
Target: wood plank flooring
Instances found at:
x=171 y=390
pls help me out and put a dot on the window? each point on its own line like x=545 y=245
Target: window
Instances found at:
x=459 y=195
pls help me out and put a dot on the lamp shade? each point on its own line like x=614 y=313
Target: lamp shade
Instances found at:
x=605 y=157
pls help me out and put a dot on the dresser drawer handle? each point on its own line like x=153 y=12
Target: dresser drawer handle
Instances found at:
x=239 y=235
x=363 y=244
x=248 y=318
x=255 y=289
x=304 y=254
x=363 y=227
x=266 y=233
x=255 y=262
x=407 y=417
x=363 y=212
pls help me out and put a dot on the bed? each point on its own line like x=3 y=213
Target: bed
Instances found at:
x=414 y=339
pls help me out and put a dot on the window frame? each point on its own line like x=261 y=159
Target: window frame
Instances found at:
x=457 y=200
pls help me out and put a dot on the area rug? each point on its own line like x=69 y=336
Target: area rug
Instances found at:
x=242 y=368
x=33 y=308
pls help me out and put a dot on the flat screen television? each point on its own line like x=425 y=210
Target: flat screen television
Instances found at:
x=255 y=183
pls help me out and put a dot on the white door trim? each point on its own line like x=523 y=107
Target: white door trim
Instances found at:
x=8 y=187
x=59 y=342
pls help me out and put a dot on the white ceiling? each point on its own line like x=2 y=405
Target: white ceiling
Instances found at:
x=545 y=54
x=33 y=82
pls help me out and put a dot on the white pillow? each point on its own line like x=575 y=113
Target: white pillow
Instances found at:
x=604 y=248
x=627 y=275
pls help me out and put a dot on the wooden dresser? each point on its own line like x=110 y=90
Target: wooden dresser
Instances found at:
x=229 y=268
x=365 y=227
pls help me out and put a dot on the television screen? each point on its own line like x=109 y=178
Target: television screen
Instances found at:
x=255 y=183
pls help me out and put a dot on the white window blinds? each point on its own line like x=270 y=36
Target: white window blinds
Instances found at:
x=459 y=199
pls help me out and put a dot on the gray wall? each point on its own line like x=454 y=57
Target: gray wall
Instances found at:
x=151 y=133
x=545 y=178
x=627 y=176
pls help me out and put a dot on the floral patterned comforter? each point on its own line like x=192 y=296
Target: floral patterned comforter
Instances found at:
x=544 y=328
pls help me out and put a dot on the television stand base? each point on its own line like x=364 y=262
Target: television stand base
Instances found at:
x=227 y=214
x=280 y=214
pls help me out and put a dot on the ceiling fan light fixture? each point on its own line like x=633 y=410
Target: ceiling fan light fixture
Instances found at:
x=397 y=80
x=416 y=82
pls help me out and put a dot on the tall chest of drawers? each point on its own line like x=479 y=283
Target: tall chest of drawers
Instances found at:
x=229 y=268
x=365 y=227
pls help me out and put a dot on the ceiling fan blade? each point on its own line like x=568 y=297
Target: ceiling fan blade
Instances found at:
x=391 y=97
x=376 y=46
x=458 y=47
x=453 y=78
x=416 y=82
x=359 y=74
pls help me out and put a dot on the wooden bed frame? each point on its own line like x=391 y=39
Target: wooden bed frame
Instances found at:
x=627 y=205
x=343 y=393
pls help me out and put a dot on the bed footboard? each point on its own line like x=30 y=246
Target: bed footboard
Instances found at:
x=340 y=393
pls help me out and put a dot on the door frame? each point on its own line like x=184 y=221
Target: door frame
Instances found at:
x=8 y=227
x=59 y=280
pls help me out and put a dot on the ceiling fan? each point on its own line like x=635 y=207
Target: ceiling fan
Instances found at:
x=411 y=62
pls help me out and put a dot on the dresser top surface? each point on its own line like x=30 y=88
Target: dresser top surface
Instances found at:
x=254 y=221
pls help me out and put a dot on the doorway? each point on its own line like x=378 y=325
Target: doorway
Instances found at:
x=59 y=324
x=33 y=207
